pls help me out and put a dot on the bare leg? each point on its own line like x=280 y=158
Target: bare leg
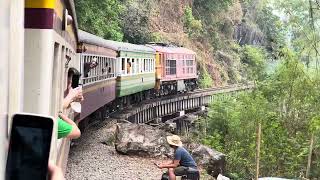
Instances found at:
x=172 y=176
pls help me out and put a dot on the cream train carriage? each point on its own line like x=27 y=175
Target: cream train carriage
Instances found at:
x=50 y=50
x=11 y=68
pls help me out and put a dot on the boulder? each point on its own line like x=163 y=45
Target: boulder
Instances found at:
x=212 y=160
x=141 y=140
x=108 y=133
x=169 y=126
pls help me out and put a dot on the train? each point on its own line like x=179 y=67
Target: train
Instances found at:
x=128 y=73
x=45 y=45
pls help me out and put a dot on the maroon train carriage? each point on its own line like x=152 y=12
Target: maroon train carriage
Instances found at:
x=176 y=69
x=99 y=83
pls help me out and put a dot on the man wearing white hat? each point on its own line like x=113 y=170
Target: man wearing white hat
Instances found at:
x=182 y=162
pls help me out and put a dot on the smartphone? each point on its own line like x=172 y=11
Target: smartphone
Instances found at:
x=75 y=80
x=29 y=147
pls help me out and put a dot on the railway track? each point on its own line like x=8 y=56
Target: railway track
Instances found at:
x=168 y=105
x=171 y=105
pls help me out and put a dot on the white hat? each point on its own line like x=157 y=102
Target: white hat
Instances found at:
x=76 y=106
x=174 y=140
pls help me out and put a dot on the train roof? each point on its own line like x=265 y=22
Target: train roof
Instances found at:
x=86 y=37
x=171 y=49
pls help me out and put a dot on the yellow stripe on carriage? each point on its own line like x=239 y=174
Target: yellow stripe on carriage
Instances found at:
x=50 y=4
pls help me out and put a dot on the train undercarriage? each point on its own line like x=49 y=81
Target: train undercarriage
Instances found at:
x=166 y=89
x=175 y=87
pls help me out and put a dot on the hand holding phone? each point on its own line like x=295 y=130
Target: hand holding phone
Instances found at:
x=55 y=172
x=29 y=147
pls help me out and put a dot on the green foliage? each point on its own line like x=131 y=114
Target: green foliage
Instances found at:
x=302 y=19
x=287 y=106
x=254 y=60
x=156 y=37
x=273 y=29
x=193 y=26
x=212 y=5
x=135 y=21
x=205 y=80
x=315 y=124
x=101 y=18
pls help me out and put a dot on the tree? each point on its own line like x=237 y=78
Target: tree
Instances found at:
x=287 y=105
x=135 y=21
x=100 y=17
x=254 y=60
x=302 y=19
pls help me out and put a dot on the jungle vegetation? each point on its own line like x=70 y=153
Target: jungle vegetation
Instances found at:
x=285 y=102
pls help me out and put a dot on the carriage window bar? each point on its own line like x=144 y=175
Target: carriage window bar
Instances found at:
x=104 y=70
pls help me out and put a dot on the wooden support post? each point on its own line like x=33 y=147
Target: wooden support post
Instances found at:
x=258 y=150
x=310 y=156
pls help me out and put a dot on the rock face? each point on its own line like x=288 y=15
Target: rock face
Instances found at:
x=141 y=140
x=248 y=34
x=213 y=161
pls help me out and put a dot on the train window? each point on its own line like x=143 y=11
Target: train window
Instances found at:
x=56 y=80
x=129 y=66
x=123 y=65
x=133 y=66
x=189 y=65
x=112 y=67
x=138 y=65
x=146 y=65
x=141 y=65
x=171 y=67
x=150 y=67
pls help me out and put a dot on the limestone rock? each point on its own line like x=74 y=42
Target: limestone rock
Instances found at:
x=141 y=140
x=213 y=161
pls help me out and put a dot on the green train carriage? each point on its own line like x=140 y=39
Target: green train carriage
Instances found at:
x=136 y=70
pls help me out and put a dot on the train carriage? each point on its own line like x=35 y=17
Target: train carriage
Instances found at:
x=11 y=69
x=175 y=69
x=99 y=85
x=135 y=69
x=50 y=51
x=124 y=70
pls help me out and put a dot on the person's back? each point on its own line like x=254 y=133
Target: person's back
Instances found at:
x=185 y=158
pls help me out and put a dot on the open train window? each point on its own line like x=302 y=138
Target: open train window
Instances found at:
x=133 y=66
x=129 y=66
x=123 y=65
